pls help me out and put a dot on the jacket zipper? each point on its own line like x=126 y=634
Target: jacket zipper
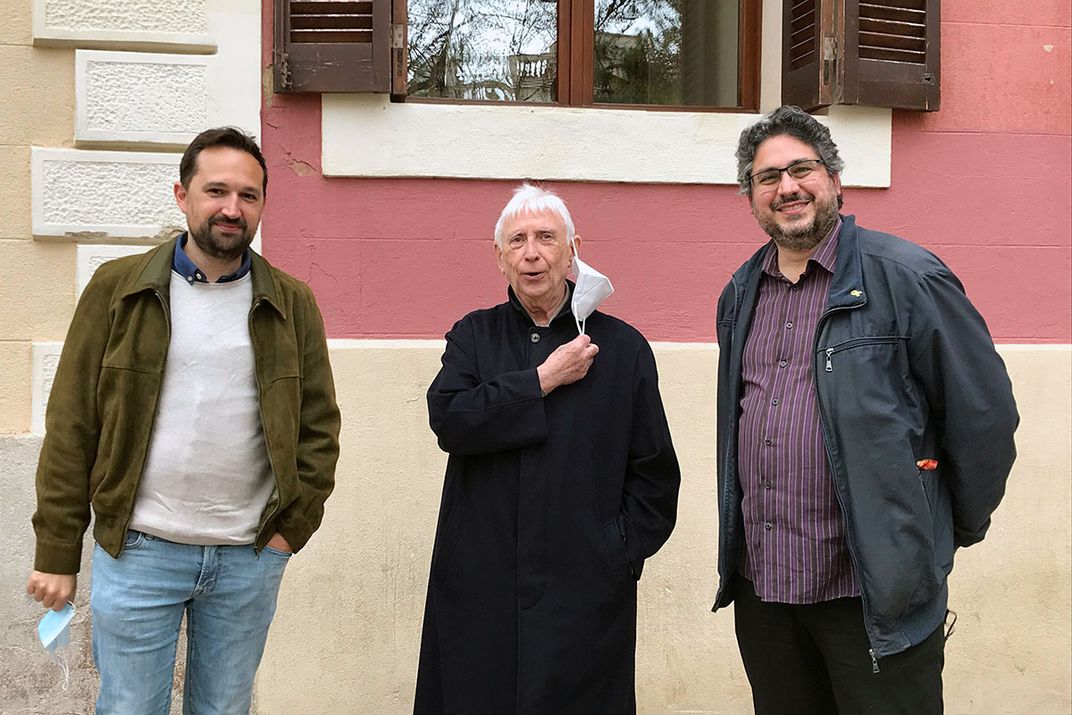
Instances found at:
x=834 y=474
x=726 y=487
x=878 y=340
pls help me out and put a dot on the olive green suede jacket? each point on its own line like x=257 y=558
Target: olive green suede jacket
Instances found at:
x=104 y=397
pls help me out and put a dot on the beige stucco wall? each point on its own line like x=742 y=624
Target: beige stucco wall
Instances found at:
x=37 y=294
x=347 y=632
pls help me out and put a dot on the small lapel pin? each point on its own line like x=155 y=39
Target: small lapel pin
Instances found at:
x=856 y=293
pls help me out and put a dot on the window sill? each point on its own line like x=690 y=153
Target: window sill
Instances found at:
x=369 y=136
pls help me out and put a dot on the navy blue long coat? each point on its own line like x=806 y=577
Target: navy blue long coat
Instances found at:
x=550 y=506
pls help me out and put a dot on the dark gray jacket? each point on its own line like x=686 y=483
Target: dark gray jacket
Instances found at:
x=905 y=370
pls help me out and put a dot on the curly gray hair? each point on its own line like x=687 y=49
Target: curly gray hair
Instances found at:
x=794 y=122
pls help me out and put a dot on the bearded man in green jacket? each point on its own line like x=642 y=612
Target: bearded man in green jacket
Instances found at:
x=193 y=408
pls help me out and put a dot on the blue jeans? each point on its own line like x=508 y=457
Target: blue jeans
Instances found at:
x=228 y=594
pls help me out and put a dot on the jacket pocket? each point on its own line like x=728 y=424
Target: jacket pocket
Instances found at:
x=828 y=352
x=617 y=560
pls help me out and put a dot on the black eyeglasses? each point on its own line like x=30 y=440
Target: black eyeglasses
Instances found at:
x=798 y=170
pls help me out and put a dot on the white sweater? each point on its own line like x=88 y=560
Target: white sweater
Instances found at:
x=207 y=477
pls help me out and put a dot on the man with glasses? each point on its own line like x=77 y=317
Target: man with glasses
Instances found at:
x=865 y=431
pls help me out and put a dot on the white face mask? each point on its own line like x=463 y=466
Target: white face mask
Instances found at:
x=592 y=289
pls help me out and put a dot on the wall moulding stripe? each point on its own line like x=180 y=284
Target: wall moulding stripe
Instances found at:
x=102 y=195
x=45 y=359
x=93 y=256
x=140 y=97
x=367 y=135
x=172 y=25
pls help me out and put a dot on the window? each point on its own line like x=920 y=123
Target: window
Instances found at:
x=583 y=52
x=685 y=54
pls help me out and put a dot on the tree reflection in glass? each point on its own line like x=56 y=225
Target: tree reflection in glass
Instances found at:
x=501 y=50
x=668 y=52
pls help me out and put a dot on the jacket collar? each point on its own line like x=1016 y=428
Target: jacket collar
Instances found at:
x=847 y=288
x=567 y=309
x=155 y=275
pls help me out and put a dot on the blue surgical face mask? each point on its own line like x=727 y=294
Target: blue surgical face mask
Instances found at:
x=54 y=632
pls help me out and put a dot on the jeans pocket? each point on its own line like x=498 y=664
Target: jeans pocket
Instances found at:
x=133 y=540
x=277 y=552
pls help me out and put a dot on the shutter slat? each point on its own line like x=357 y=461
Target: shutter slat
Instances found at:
x=898 y=4
x=322 y=22
x=918 y=17
x=892 y=42
x=299 y=37
x=883 y=27
x=321 y=7
x=892 y=55
x=804 y=21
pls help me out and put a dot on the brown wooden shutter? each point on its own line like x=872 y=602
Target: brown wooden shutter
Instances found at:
x=333 y=46
x=806 y=40
x=891 y=54
x=880 y=53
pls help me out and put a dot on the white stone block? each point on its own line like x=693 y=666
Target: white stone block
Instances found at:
x=123 y=23
x=92 y=256
x=141 y=97
x=88 y=195
x=46 y=358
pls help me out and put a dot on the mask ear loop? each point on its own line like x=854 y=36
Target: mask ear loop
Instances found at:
x=58 y=653
x=576 y=254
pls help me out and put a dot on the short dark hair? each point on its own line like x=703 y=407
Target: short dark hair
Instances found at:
x=219 y=136
x=791 y=121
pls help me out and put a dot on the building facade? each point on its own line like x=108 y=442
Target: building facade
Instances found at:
x=387 y=208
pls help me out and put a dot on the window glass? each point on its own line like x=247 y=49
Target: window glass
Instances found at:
x=483 y=49
x=673 y=52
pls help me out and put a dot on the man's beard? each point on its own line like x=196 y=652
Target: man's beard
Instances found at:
x=229 y=248
x=801 y=236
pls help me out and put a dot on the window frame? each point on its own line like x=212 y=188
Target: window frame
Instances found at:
x=576 y=52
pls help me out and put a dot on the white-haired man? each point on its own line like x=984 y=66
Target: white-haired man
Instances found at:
x=561 y=480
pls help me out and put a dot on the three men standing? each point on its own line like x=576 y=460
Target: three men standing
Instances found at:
x=865 y=431
x=194 y=410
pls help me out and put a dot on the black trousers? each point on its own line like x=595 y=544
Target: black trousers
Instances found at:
x=814 y=660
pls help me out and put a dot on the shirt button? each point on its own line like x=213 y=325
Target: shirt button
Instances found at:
x=768 y=486
x=775 y=401
x=789 y=325
x=794 y=287
x=781 y=363
x=534 y=337
x=768 y=441
x=768 y=526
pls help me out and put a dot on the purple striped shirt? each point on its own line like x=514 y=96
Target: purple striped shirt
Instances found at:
x=795 y=548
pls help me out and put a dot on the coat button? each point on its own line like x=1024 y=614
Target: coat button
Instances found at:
x=534 y=337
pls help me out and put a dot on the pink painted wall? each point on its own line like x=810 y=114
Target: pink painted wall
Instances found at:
x=985 y=183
